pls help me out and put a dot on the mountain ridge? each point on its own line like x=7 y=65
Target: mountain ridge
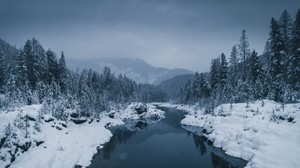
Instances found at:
x=134 y=68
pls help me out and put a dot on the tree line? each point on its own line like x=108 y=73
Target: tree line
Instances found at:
x=245 y=76
x=32 y=75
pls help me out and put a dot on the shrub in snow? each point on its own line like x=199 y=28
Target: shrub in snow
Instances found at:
x=54 y=107
x=37 y=126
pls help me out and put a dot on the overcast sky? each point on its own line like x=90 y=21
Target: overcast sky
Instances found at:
x=165 y=33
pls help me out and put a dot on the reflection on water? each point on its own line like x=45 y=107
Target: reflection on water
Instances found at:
x=199 y=142
x=164 y=144
x=121 y=137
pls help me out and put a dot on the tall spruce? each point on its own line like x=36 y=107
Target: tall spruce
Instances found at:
x=196 y=87
x=294 y=63
x=277 y=51
x=40 y=64
x=223 y=72
x=30 y=63
x=233 y=60
x=53 y=70
x=214 y=73
x=255 y=66
x=277 y=61
x=62 y=70
x=233 y=66
x=244 y=52
x=286 y=26
x=205 y=89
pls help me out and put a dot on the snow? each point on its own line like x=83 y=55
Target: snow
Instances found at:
x=263 y=132
x=73 y=145
x=129 y=112
x=9 y=117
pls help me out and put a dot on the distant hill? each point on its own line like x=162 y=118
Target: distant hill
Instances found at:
x=172 y=86
x=134 y=68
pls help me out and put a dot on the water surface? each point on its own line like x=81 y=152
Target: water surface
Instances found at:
x=164 y=144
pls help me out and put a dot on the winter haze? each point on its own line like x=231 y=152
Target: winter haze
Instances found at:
x=165 y=33
x=149 y=83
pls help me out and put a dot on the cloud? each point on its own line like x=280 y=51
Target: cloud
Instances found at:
x=167 y=33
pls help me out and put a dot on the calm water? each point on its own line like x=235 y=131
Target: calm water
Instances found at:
x=164 y=144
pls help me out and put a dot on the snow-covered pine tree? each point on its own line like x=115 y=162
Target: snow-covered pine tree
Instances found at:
x=187 y=92
x=233 y=66
x=42 y=91
x=255 y=67
x=258 y=89
x=205 y=89
x=196 y=87
x=62 y=69
x=286 y=26
x=223 y=72
x=214 y=72
x=233 y=60
x=277 y=60
x=53 y=70
x=2 y=70
x=30 y=63
x=244 y=52
x=40 y=61
x=21 y=69
x=294 y=63
x=277 y=51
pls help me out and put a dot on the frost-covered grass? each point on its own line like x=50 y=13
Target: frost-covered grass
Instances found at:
x=55 y=143
x=265 y=133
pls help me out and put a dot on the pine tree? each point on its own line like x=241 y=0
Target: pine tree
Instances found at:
x=62 y=73
x=40 y=63
x=187 y=92
x=277 y=50
x=2 y=69
x=95 y=81
x=32 y=72
x=294 y=63
x=233 y=60
x=244 y=52
x=205 y=89
x=196 y=87
x=21 y=69
x=277 y=61
x=255 y=66
x=53 y=69
x=286 y=25
x=108 y=78
x=41 y=89
x=241 y=92
x=258 y=89
x=214 y=72
x=223 y=74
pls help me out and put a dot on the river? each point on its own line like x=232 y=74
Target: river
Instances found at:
x=164 y=144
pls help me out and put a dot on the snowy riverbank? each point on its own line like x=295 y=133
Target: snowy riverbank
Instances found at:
x=264 y=133
x=47 y=142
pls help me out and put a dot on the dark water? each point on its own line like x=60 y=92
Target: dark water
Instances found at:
x=164 y=144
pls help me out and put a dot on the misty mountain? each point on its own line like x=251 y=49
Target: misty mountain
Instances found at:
x=172 y=86
x=134 y=68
